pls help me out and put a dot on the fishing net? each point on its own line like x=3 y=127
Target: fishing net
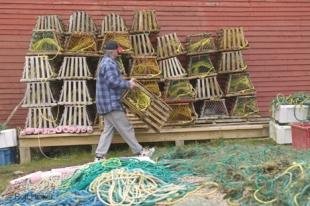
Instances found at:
x=181 y=89
x=145 y=67
x=152 y=86
x=201 y=45
x=245 y=106
x=139 y=99
x=240 y=83
x=201 y=65
x=45 y=41
x=81 y=43
x=182 y=113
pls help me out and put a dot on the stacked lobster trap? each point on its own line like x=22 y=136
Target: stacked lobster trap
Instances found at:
x=202 y=51
x=39 y=74
x=239 y=90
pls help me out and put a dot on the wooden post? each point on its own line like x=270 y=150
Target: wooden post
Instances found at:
x=24 y=155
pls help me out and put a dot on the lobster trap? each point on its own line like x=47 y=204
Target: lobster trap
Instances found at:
x=208 y=88
x=172 y=68
x=239 y=84
x=136 y=121
x=200 y=66
x=152 y=86
x=150 y=108
x=75 y=92
x=121 y=38
x=245 y=106
x=145 y=67
x=231 y=62
x=81 y=22
x=75 y=116
x=232 y=39
x=37 y=68
x=169 y=46
x=144 y=21
x=49 y=23
x=182 y=114
x=42 y=117
x=113 y=23
x=179 y=91
x=213 y=109
x=142 y=45
x=74 y=68
x=201 y=44
x=46 y=42
x=39 y=94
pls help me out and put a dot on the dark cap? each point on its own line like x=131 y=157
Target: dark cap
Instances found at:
x=111 y=45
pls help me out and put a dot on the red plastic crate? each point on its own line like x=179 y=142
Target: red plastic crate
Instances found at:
x=301 y=136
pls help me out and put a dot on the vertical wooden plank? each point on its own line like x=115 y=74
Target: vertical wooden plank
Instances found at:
x=243 y=42
x=24 y=155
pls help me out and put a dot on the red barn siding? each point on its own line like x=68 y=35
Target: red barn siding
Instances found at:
x=278 y=32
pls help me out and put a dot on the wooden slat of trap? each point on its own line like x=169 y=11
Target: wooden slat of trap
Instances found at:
x=172 y=68
x=40 y=118
x=75 y=116
x=38 y=94
x=74 y=68
x=80 y=21
x=75 y=92
x=231 y=62
x=49 y=23
x=232 y=39
x=113 y=23
x=142 y=45
x=144 y=21
x=157 y=112
x=208 y=88
x=169 y=46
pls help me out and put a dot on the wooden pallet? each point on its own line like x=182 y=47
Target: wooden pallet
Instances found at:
x=169 y=46
x=113 y=23
x=155 y=113
x=79 y=42
x=74 y=68
x=208 y=88
x=75 y=92
x=144 y=21
x=231 y=62
x=172 y=68
x=39 y=94
x=49 y=23
x=179 y=91
x=42 y=117
x=213 y=109
x=122 y=38
x=152 y=86
x=182 y=114
x=81 y=22
x=200 y=44
x=145 y=67
x=200 y=66
x=245 y=106
x=239 y=84
x=37 y=68
x=142 y=45
x=75 y=116
x=46 y=42
x=232 y=39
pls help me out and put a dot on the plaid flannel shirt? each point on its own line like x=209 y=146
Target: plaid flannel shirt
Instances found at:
x=109 y=87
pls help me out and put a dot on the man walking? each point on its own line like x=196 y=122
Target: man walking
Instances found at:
x=109 y=88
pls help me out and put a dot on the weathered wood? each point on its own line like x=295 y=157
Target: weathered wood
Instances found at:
x=142 y=45
x=208 y=88
x=42 y=117
x=113 y=23
x=38 y=94
x=169 y=46
x=200 y=66
x=75 y=92
x=24 y=155
x=232 y=39
x=75 y=116
x=202 y=43
x=74 y=68
x=145 y=67
x=80 y=21
x=172 y=68
x=231 y=62
x=49 y=23
x=144 y=22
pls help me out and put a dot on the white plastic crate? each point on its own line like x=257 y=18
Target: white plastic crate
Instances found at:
x=8 y=138
x=281 y=134
x=290 y=113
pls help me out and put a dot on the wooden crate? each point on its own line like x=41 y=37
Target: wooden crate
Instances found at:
x=239 y=84
x=46 y=42
x=122 y=38
x=213 y=109
x=113 y=23
x=172 y=68
x=75 y=116
x=232 y=39
x=200 y=66
x=42 y=117
x=169 y=46
x=200 y=44
x=144 y=21
x=208 y=88
x=75 y=92
x=179 y=91
x=155 y=112
x=152 y=86
x=79 y=42
x=182 y=114
x=142 y=45
x=74 y=68
x=81 y=22
x=37 y=68
x=49 y=23
x=231 y=62
x=145 y=67
x=245 y=106
x=39 y=94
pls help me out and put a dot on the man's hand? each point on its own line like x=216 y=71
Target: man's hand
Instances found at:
x=132 y=83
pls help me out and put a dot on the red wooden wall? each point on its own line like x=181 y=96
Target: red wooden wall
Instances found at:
x=278 y=32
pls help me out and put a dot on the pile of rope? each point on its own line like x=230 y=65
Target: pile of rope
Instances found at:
x=181 y=89
x=249 y=174
x=45 y=41
x=81 y=43
x=139 y=99
x=116 y=181
x=203 y=67
x=145 y=67
x=298 y=98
